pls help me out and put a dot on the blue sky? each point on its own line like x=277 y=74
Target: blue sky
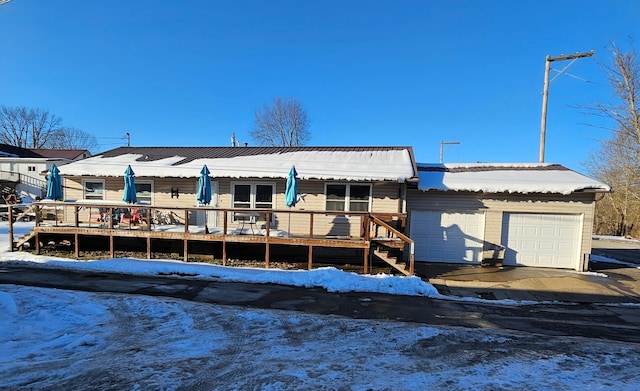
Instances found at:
x=191 y=73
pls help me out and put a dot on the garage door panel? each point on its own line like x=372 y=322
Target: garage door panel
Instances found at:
x=543 y=240
x=456 y=237
x=548 y=231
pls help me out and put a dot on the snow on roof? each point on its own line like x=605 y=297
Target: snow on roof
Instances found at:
x=522 y=178
x=335 y=163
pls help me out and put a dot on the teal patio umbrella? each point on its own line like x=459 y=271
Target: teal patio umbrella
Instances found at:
x=203 y=195
x=54 y=184
x=291 y=193
x=129 y=195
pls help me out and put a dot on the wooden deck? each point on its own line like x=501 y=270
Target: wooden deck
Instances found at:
x=82 y=222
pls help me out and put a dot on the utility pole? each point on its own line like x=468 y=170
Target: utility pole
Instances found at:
x=128 y=139
x=442 y=143
x=545 y=92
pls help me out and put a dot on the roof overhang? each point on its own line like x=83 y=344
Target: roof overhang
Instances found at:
x=510 y=178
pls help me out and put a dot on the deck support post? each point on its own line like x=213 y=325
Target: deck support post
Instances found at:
x=186 y=250
x=266 y=255
x=310 y=259
x=76 y=238
x=224 y=252
x=111 y=246
x=148 y=247
x=366 y=260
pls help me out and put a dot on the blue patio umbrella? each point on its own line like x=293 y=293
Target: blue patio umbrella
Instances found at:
x=54 y=184
x=129 y=195
x=203 y=195
x=291 y=191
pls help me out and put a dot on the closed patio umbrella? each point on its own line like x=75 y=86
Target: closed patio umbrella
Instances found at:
x=129 y=195
x=54 y=184
x=291 y=193
x=203 y=195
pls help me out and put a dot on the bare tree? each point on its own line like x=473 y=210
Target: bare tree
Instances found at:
x=14 y=126
x=27 y=127
x=71 y=138
x=618 y=160
x=624 y=78
x=618 y=164
x=283 y=122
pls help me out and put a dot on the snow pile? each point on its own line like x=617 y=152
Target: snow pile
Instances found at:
x=330 y=278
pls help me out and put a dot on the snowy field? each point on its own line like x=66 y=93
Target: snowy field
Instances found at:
x=53 y=339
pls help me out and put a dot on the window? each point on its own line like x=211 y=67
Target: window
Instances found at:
x=348 y=197
x=93 y=190
x=144 y=192
x=253 y=196
x=31 y=168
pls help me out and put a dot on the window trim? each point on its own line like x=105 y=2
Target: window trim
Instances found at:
x=145 y=182
x=252 y=195
x=84 y=189
x=347 y=196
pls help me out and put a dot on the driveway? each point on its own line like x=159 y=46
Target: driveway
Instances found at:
x=622 y=250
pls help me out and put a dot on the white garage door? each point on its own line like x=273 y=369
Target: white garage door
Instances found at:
x=455 y=237
x=543 y=240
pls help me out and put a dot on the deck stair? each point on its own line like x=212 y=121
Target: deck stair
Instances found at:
x=389 y=244
x=393 y=257
x=24 y=239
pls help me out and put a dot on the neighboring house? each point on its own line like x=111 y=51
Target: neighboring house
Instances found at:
x=331 y=179
x=517 y=214
x=69 y=155
x=23 y=171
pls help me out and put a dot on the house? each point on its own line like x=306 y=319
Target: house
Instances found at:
x=516 y=214
x=22 y=170
x=331 y=179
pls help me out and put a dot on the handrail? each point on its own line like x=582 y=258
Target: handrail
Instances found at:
x=400 y=236
x=391 y=229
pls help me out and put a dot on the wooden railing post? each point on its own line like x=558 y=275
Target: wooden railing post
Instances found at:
x=224 y=239
x=76 y=237
x=10 y=217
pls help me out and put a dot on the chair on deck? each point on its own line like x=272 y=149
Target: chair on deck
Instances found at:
x=11 y=199
x=130 y=216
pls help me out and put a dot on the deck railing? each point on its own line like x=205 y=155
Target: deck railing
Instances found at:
x=226 y=225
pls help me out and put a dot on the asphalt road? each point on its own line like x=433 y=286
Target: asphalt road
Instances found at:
x=602 y=321
x=622 y=250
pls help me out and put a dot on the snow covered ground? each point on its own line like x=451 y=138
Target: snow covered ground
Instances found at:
x=58 y=339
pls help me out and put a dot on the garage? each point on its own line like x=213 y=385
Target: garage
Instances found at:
x=525 y=214
x=452 y=237
x=542 y=240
